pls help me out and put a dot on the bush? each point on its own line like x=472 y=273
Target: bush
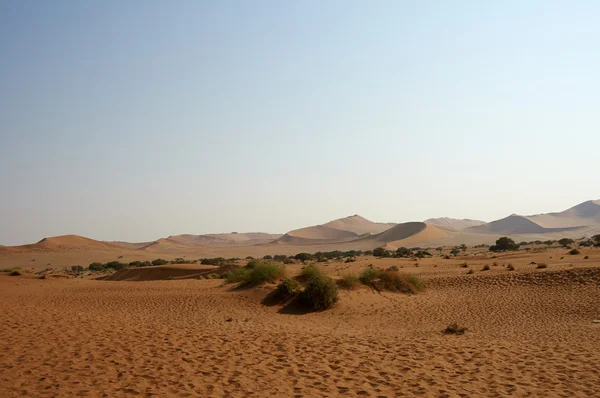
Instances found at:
x=510 y=267
x=280 y=258
x=393 y=268
x=213 y=276
x=349 y=282
x=303 y=257
x=392 y=281
x=564 y=242
x=541 y=266
x=486 y=268
x=15 y=273
x=263 y=272
x=596 y=238
x=464 y=265
x=160 y=261
x=115 y=265
x=403 y=252
x=10 y=269
x=218 y=261
x=350 y=260
x=455 y=251
x=379 y=252
x=369 y=275
x=574 y=252
x=96 y=267
x=309 y=271
x=320 y=293
x=286 y=289
x=504 y=244
x=77 y=268
x=470 y=271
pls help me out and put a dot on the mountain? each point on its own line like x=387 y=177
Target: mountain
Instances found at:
x=453 y=224
x=340 y=230
x=577 y=220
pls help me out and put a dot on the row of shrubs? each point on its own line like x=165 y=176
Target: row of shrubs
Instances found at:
x=320 y=292
x=401 y=252
x=117 y=265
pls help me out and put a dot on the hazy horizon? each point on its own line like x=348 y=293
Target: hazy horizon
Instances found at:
x=139 y=120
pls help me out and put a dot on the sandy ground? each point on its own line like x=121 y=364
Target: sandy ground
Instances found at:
x=530 y=333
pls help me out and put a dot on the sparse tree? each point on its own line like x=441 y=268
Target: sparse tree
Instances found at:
x=504 y=244
x=463 y=247
x=564 y=242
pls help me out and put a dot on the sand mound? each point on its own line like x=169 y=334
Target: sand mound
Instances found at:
x=453 y=224
x=516 y=224
x=318 y=233
x=223 y=239
x=161 y=273
x=66 y=242
x=358 y=225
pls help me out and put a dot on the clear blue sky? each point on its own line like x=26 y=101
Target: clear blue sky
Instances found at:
x=133 y=120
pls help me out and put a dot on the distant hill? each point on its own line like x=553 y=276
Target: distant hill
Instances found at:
x=453 y=224
x=578 y=219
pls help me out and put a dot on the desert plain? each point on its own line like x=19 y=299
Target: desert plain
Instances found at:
x=531 y=319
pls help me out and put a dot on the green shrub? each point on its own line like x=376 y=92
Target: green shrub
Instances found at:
x=398 y=282
x=504 y=244
x=286 y=289
x=213 y=276
x=263 y=272
x=309 y=271
x=77 y=268
x=303 y=257
x=320 y=293
x=115 y=265
x=370 y=274
x=96 y=267
x=349 y=282
x=379 y=252
x=160 y=261
x=211 y=261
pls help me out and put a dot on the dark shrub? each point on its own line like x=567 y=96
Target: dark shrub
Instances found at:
x=350 y=260
x=320 y=293
x=486 y=268
x=368 y=253
x=564 y=242
x=463 y=265
x=455 y=251
x=76 y=268
x=393 y=268
x=160 y=261
x=268 y=257
x=470 y=271
x=280 y=258
x=541 y=266
x=504 y=244
x=574 y=252
x=15 y=273
x=303 y=257
x=511 y=267
x=403 y=252
x=115 y=265
x=135 y=264
x=369 y=275
x=96 y=267
x=286 y=289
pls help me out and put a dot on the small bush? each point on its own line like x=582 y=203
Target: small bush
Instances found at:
x=263 y=272
x=286 y=289
x=574 y=252
x=453 y=328
x=392 y=281
x=96 y=267
x=15 y=273
x=309 y=271
x=470 y=271
x=541 y=266
x=320 y=293
x=350 y=260
x=77 y=268
x=303 y=257
x=511 y=267
x=349 y=282
x=160 y=261
x=393 y=268
x=213 y=276
x=586 y=258
x=10 y=269
x=463 y=265
x=486 y=268
x=369 y=275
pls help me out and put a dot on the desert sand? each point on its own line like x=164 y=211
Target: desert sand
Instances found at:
x=530 y=332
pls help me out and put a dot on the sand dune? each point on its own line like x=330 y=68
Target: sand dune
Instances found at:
x=317 y=233
x=453 y=224
x=358 y=225
x=516 y=225
x=406 y=234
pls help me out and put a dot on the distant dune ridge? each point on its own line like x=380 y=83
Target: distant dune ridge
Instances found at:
x=353 y=232
x=453 y=224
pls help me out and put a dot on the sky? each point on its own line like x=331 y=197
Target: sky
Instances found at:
x=142 y=119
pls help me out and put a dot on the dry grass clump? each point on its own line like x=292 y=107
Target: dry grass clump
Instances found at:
x=453 y=328
x=541 y=266
x=470 y=271
x=349 y=282
x=392 y=281
x=261 y=272
x=510 y=267
x=15 y=273
x=464 y=265
x=486 y=268
x=393 y=268
x=308 y=272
